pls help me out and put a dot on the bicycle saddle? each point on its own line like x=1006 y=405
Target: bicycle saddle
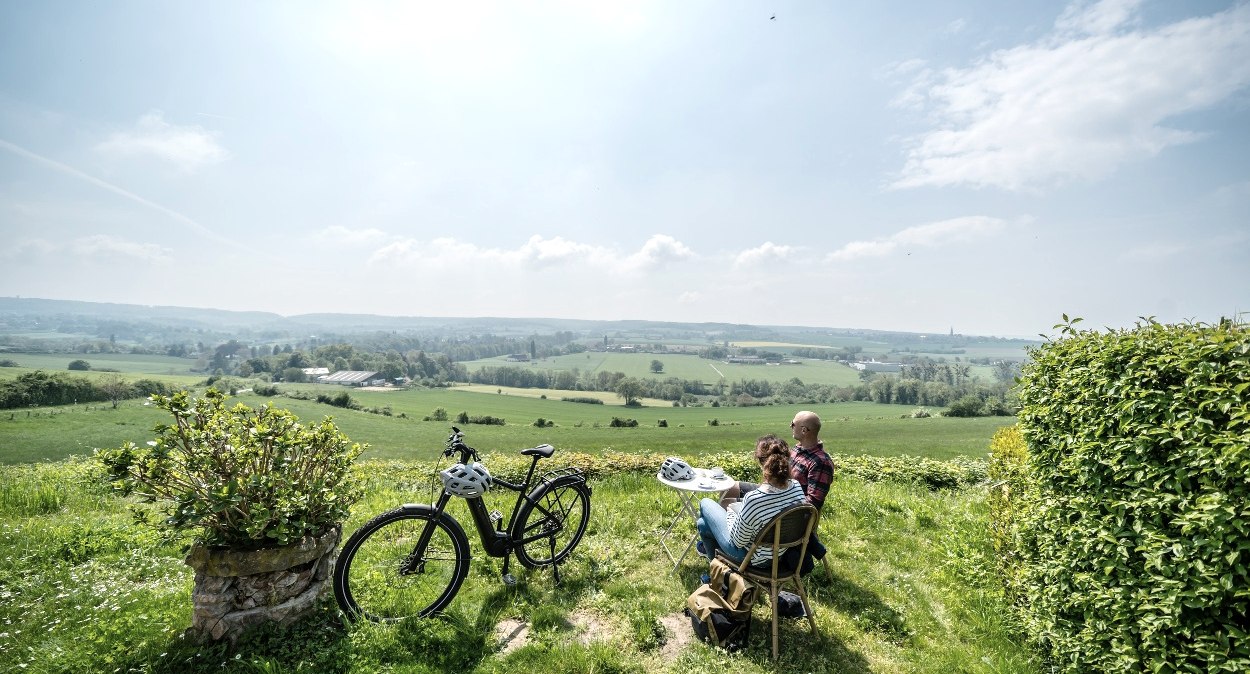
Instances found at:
x=543 y=450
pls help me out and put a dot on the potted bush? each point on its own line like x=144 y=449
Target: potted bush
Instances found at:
x=262 y=497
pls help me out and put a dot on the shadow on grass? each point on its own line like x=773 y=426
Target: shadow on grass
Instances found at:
x=864 y=607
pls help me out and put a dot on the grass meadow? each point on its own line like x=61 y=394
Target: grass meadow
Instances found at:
x=684 y=366
x=50 y=434
x=910 y=588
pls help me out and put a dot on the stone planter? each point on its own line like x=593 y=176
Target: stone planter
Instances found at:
x=235 y=590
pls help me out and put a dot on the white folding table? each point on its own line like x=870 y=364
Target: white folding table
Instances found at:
x=687 y=491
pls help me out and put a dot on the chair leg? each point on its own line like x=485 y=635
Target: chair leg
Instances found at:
x=772 y=606
x=807 y=605
x=828 y=569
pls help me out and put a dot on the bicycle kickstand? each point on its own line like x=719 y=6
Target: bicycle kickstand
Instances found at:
x=507 y=578
x=555 y=566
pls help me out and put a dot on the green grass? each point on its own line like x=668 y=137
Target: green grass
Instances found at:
x=83 y=588
x=130 y=364
x=50 y=434
x=685 y=366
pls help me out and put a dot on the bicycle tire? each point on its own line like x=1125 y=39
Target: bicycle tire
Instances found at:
x=370 y=578
x=554 y=516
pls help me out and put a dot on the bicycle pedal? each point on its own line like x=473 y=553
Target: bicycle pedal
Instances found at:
x=508 y=579
x=496 y=516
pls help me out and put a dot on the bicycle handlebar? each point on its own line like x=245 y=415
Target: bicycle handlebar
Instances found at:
x=455 y=443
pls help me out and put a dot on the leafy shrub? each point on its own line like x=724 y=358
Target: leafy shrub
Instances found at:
x=588 y=401
x=967 y=406
x=618 y=422
x=241 y=477
x=1134 y=528
x=662 y=423
x=79 y=364
x=1008 y=453
x=486 y=420
x=713 y=422
x=544 y=423
x=268 y=390
x=920 y=413
x=9 y=362
x=343 y=400
x=440 y=414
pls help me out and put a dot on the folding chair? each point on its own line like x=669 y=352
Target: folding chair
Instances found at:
x=790 y=528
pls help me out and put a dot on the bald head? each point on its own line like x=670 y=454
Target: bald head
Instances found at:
x=806 y=428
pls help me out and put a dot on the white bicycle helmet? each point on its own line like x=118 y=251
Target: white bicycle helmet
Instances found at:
x=675 y=469
x=467 y=480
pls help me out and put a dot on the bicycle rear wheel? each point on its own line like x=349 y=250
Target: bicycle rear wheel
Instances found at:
x=551 y=522
x=387 y=573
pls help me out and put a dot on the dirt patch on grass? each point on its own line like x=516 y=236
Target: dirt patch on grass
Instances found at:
x=511 y=634
x=585 y=626
x=677 y=635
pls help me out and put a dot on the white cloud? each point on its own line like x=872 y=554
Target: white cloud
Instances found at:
x=1096 y=18
x=931 y=235
x=105 y=246
x=536 y=253
x=1079 y=103
x=337 y=234
x=690 y=297
x=187 y=147
x=658 y=251
x=766 y=253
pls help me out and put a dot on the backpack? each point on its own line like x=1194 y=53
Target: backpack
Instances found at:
x=720 y=610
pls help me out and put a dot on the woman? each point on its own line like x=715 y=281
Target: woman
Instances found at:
x=733 y=530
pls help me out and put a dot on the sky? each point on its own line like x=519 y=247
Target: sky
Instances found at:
x=967 y=165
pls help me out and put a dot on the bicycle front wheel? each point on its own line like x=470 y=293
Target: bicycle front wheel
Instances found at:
x=551 y=522
x=405 y=563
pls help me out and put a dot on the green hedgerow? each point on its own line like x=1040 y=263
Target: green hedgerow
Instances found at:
x=1134 y=525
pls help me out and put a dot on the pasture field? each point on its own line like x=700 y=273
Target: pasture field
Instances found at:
x=685 y=366
x=50 y=434
x=909 y=588
x=127 y=363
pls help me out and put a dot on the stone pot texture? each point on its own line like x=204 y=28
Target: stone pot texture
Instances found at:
x=238 y=589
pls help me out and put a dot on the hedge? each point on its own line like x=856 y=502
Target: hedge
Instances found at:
x=1133 y=528
x=929 y=473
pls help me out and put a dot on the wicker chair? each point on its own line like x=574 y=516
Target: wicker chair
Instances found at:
x=790 y=528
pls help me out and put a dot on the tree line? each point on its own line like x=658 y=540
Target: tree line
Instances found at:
x=41 y=388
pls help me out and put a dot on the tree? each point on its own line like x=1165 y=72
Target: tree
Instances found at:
x=657 y=367
x=631 y=389
x=115 y=388
x=79 y=364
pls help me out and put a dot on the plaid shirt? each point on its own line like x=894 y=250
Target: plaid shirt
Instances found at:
x=813 y=468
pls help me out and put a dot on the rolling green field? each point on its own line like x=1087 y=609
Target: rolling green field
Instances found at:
x=850 y=428
x=685 y=366
x=131 y=364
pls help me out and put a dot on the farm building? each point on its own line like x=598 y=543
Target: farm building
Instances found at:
x=350 y=378
x=315 y=373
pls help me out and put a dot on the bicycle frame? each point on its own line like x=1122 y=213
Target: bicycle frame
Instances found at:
x=497 y=541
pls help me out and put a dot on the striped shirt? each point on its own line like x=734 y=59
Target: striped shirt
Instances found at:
x=759 y=507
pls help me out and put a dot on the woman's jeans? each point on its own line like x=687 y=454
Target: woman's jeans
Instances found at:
x=713 y=528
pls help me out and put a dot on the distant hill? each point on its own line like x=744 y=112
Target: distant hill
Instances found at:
x=134 y=323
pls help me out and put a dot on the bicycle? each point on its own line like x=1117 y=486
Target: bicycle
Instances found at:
x=411 y=561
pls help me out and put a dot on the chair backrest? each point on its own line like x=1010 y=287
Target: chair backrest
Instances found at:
x=789 y=528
